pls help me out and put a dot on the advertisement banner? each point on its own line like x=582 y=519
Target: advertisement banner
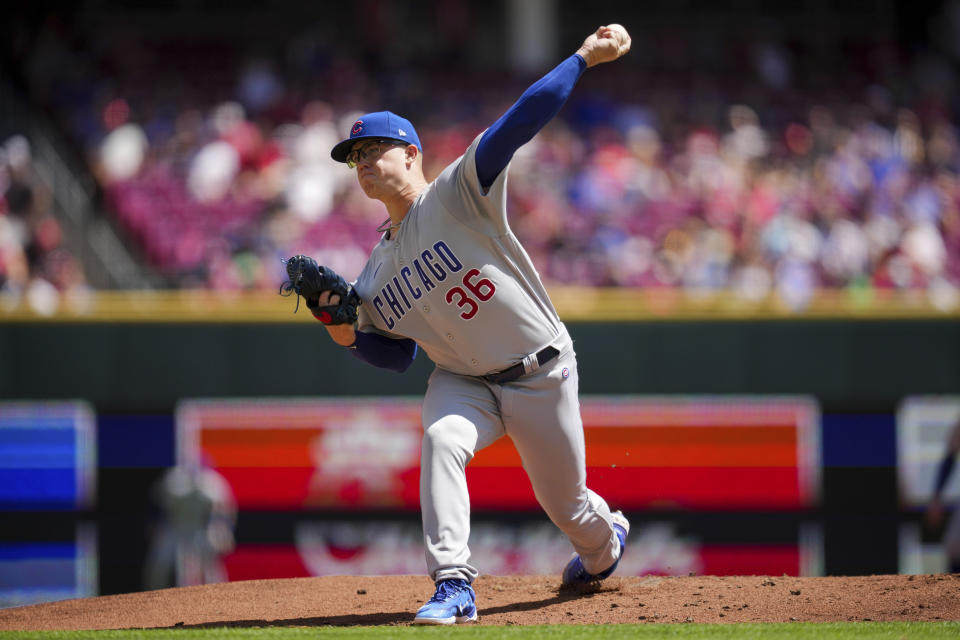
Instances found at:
x=924 y=425
x=47 y=456
x=533 y=548
x=32 y=572
x=688 y=452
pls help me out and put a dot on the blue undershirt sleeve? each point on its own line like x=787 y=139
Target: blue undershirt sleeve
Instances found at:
x=383 y=352
x=535 y=108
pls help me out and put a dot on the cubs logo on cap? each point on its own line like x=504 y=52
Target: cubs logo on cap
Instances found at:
x=380 y=124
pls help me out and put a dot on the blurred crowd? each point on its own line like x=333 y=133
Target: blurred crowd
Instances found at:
x=218 y=174
x=35 y=264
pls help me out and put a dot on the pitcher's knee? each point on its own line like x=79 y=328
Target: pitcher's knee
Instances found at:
x=450 y=438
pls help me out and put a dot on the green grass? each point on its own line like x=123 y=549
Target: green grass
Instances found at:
x=789 y=631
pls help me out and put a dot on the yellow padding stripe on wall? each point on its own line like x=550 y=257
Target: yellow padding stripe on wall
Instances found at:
x=574 y=304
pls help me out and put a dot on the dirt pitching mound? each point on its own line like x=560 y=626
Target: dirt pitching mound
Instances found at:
x=392 y=600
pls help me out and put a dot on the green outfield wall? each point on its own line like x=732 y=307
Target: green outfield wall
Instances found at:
x=858 y=365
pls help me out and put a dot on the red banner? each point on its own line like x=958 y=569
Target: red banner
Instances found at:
x=692 y=453
x=259 y=562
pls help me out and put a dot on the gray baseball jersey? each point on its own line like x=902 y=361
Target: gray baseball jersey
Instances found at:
x=455 y=279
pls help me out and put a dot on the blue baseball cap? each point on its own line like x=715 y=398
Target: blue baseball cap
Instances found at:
x=380 y=124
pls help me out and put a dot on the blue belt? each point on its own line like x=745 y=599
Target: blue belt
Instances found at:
x=510 y=374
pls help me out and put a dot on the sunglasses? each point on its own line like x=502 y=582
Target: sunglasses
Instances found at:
x=370 y=151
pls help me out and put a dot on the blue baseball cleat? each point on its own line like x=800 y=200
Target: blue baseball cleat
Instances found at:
x=454 y=602
x=574 y=574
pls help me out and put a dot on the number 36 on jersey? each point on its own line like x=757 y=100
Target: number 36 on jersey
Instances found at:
x=431 y=268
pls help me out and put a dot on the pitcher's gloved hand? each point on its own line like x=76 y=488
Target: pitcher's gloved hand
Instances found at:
x=309 y=280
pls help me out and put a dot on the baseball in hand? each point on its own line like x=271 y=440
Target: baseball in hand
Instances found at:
x=606 y=44
x=620 y=33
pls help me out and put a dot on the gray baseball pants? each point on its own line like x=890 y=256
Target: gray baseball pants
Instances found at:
x=541 y=414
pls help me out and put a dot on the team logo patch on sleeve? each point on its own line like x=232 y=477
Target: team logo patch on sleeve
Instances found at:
x=565 y=373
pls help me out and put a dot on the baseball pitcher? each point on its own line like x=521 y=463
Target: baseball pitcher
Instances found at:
x=449 y=276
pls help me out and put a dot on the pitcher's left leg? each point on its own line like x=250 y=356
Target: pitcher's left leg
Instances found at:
x=459 y=418
x=541 y=413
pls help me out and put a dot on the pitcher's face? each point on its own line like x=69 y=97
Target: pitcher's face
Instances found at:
x=381 y=166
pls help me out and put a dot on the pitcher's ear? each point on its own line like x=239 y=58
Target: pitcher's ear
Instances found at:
x=412 y=152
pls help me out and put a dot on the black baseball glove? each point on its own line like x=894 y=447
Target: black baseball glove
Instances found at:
x=308 y=279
